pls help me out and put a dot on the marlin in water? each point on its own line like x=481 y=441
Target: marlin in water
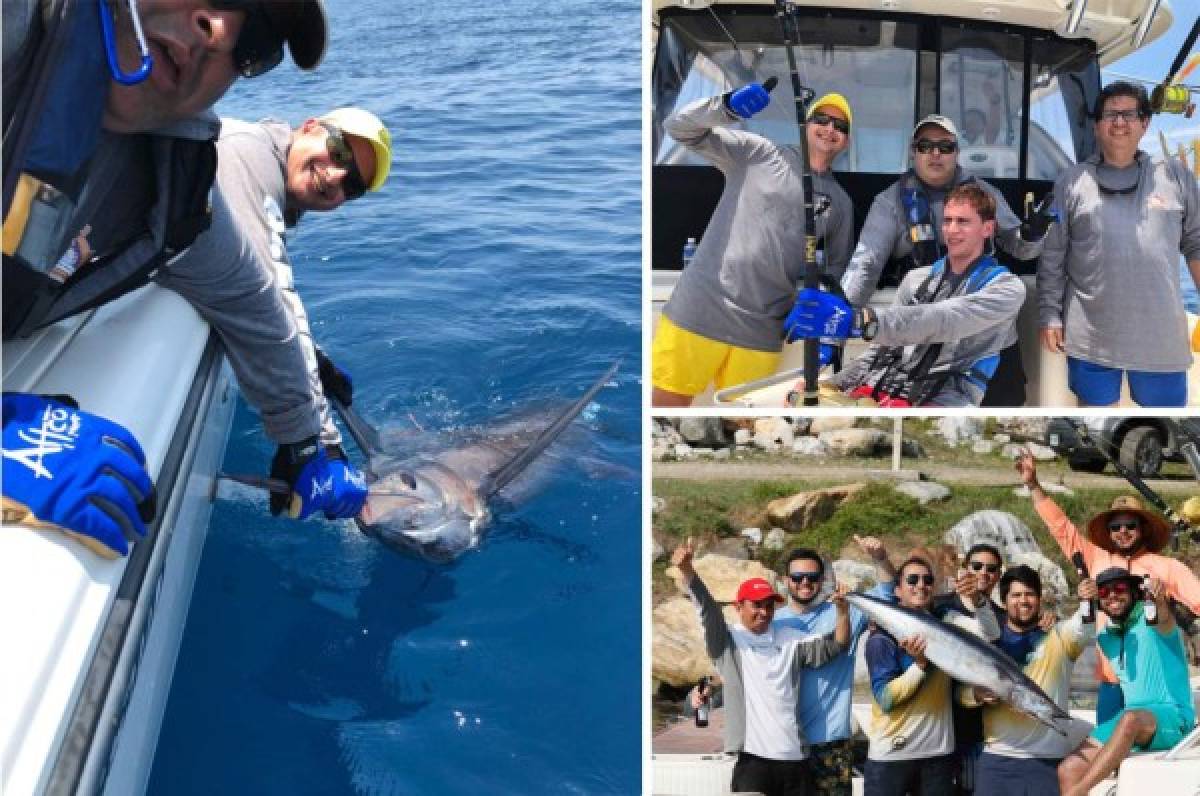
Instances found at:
x=436 y=505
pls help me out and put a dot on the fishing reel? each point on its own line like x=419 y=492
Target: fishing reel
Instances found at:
x=1172 y=98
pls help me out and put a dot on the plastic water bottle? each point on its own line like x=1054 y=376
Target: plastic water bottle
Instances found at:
x=689 y=251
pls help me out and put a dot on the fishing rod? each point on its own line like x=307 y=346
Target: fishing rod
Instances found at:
x=1170 y=97
x=812 y=276
x=1180 y=526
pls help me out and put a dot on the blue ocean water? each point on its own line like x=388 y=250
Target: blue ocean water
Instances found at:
x=498 y=269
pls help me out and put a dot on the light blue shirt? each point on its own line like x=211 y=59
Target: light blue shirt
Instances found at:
x=823 y=708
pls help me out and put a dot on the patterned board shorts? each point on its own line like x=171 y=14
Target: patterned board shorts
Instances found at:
x=831 y=766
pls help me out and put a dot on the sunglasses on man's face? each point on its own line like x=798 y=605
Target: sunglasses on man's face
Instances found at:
x=979 y=566
x=823 y=119
x=913 y=580
x=353 y=184
x=927 y=145
x=1130 y=525
x=805 y=577
x=259 y=47
x=1119 y=588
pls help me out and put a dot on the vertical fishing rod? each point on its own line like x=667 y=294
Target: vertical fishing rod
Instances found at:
x=1180 y=525
x=812 y=277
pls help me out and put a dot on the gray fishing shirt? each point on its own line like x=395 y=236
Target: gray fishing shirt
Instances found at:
x=239 y=278
x=885 y=233
x=1109 y=276
x=970 y=326
x=742 y=282
x=720 y=641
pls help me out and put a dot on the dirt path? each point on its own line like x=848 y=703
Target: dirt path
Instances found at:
x=826 y=470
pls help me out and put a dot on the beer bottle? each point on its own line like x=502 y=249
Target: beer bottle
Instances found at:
x=1089 y=607
x=1150 y=610
x=702 y=710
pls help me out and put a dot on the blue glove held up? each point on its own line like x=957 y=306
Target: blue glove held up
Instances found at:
x=819 y=314
x=331 y=485
x=749 y=100
x=74 y=472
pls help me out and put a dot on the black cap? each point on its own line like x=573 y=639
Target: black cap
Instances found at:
x=1113 y=574
x=301 y=23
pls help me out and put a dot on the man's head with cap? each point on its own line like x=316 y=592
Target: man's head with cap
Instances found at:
x=756 y=602
x=935 y=150
x=199 y=47
x=337 y=157
x=1118 y=590
x=828 y=130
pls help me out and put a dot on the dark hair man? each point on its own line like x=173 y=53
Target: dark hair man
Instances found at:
x=940 y=341
x=1109 y=292
x=1153 y=672
x=760 y=666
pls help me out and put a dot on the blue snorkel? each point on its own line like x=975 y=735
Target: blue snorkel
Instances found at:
x=110 y=45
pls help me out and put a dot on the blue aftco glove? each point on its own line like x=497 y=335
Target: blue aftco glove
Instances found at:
x=748 y=100
x=75 y=472
x=820 y=314
x=321 y=480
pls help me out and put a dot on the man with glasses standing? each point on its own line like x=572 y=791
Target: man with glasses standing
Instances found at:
x=911 y=732
x=111 y=155
x=1149 y=659
x=1126 y=536
x=825 y=693
x=759 y=664
x=1109 y=291
x=238 y=276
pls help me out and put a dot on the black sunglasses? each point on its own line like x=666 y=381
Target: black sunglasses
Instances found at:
x=259 y=47
x=1132 y=525
x=353 y=184
x=913 y=580
x=823 y=119
x=805 y=577
x=926 y=145
x=978 y=566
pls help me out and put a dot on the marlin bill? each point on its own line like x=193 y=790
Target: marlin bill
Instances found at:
x=436 y=504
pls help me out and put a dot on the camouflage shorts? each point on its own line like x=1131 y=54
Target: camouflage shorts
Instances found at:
x=831 y=767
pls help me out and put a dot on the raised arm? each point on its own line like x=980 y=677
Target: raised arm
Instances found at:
x=1062 y=529
x=702 y=127
x=712 y=621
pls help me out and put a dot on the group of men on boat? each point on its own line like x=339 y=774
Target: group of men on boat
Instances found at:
x=108 y=167
x=1109 y=293
x=788 y=674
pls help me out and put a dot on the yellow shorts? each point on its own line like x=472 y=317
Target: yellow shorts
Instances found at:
x=685 y=362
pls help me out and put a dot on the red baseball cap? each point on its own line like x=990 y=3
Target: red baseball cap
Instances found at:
x=756 y=589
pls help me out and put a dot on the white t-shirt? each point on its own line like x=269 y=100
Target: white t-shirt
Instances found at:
x=770 y=680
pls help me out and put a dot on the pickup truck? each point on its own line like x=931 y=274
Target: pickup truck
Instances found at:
x=1140 y=443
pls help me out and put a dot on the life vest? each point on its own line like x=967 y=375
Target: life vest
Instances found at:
x=159 y=201
x=914 y=379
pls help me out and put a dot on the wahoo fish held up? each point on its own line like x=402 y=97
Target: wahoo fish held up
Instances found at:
x=436 y=505
x=966 y=658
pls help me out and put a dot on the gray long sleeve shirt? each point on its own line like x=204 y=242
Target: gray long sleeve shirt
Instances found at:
x=885 y=236
x=742 y=282
x=238 y=277
x=970 y=327
x=722 y=646
x=1109 y=276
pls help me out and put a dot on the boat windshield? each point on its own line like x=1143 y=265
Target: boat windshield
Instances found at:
x=893 y=71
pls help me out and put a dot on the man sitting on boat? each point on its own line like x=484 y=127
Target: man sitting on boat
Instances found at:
x=721 y=324
x=825 y=693
x=1020 y=754
x=1149 y=659
x=940 y=341
x=760 y=666
x=1126 y=536
x=1109 y=292
x=239 y=278
x=126 y=153
x=911 y=732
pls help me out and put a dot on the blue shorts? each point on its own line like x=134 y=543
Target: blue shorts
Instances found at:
x=1015 y=776
x=1099 y=385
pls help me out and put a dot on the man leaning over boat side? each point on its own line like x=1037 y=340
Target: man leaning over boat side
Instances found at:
x=823 y=707
x=131 y=165
x=721 y=324
x=911 y=732
x=760 y=666
x=1109 y=292
x=1020 y=754
x=239 y=278
x=940 y=342
x=1150 y=662
x=1126 y=536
